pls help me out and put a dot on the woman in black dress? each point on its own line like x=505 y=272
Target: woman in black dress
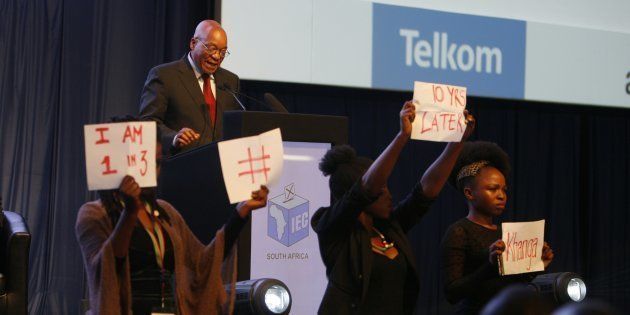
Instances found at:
x=471 y=245
x=362 y=237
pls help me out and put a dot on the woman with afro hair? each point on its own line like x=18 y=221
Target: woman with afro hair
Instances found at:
x=471 y=245
x=362 y=237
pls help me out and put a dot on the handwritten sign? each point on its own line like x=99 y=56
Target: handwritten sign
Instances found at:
x=249 y=162
x=439 y=112
x=523 y=247
x=118 y=149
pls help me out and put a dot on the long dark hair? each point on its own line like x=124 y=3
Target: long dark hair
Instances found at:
x=113 y=203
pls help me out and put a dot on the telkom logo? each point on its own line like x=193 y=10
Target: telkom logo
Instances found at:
x=441 y=54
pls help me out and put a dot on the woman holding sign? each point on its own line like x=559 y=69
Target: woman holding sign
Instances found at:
x=472 y=245
x=141 y=257
x=362 y=240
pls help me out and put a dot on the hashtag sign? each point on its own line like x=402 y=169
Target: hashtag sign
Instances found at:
x=250 y=161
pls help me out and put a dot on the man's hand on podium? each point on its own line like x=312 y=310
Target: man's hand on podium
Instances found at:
x=185 y=137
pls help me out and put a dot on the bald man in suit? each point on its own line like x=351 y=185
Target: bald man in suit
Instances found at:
x=187 y=97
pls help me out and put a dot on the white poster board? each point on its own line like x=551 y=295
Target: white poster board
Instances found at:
x=249 y=162
x=439 y=112
x=523 y=247
x=115 y=150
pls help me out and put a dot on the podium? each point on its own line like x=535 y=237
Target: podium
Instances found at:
x=192 y=181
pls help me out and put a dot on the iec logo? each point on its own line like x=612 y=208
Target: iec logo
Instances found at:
x=288 y=219
x=486 y=55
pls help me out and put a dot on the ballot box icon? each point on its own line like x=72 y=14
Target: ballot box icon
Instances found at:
x=288 y=217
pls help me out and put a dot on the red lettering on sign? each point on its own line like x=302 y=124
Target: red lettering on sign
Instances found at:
x=131 y=132
x=444 y=117
x=131 y=160
x=438 y=94
x=108 y=169
x=101 y=131
x=128 y=135
x=441 y=121
x=260 y=160
x=517 y=250
x=435 y=123
x=462 y=98
x=138 y=132
x=422 y=129
x=451 y=91
x=457 y=96
x=143 y=170
x=451 y=120
x=460 y=118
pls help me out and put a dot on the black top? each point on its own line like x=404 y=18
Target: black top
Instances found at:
x=385 y=292
x=147 y=280
x=142 y=262
x=350 y=263
x=470 y=280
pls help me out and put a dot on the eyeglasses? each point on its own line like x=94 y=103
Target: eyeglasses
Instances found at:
x=223 y=53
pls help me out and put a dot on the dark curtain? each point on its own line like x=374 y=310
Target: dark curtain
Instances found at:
x=63 y=64
x=66 y=63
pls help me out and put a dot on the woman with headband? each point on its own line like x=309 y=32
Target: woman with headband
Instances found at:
x=362 y=237
x=472 y=245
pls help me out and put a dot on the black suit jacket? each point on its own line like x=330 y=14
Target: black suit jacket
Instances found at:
x=172 y=97
x=346 y=251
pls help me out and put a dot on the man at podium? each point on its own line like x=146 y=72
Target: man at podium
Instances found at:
x=187 y=97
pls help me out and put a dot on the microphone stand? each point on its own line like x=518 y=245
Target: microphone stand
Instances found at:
x=225 y=88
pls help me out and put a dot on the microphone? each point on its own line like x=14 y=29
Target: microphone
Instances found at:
x=271 y=107
x=224 y=87
x=275 y=104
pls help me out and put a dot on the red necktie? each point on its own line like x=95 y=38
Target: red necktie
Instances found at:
x=209 y=97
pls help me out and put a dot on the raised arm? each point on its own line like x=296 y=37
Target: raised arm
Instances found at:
x=435 y=176
x=375 y=178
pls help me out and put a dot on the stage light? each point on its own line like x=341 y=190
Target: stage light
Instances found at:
x=561 y=287
x=262 y=296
